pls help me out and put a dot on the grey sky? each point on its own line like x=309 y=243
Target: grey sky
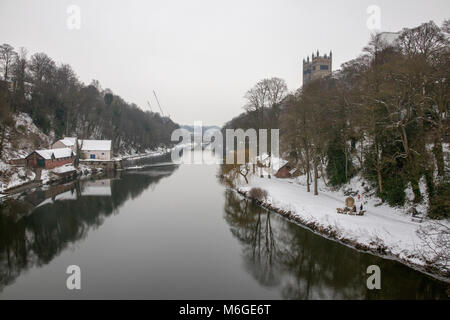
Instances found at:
x=200 y=55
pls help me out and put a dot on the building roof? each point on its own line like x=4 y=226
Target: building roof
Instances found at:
x=390 y=38
x=95 y=145
x=57 y=153
x=68 y=141
x=87 y=145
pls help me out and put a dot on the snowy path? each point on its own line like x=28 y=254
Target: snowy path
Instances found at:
x=371 y=211
x=382 y=225
x=299 y=191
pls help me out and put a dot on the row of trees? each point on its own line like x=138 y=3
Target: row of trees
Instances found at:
x=57 y=101
x=384 y=115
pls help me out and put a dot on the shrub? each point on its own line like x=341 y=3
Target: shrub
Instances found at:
x=336 y=165
x=440 y=202
x=258 y=194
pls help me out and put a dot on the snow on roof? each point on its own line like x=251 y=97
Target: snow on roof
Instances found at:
x=68 y=141
x=278 y=163
x=57 y=153
x=65 y=168
x=93 y=145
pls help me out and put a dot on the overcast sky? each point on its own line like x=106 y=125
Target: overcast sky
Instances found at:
x=200 y=56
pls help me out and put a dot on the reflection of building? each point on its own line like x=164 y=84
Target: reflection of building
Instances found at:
x=316 y=68
x=97 y=188
x=70 y=191
x=54 y=193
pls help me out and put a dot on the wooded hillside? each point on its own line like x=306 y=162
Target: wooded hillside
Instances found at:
x=60 y=104
x=384 y=115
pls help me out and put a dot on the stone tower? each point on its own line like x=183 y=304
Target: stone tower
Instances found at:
x=317 y=67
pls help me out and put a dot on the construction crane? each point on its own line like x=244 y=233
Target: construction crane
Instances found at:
x=159 y=105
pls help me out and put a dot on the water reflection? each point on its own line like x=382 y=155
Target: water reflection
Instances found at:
x=187 y=239
x=302 y=265
x=38 y=227
x=148 y=161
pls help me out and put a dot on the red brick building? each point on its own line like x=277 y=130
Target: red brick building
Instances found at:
x=286 y=171
x=50 y=158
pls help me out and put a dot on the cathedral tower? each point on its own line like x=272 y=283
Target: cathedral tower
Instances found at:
x=316 y=68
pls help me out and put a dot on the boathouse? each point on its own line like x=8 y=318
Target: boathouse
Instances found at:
x=95 y=149
x=89 y=149
x=286 y=171
x=67 y=142
x=50 y=158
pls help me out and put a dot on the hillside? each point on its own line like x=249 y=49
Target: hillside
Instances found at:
x=384 y=116
x=19 y=140
x=60 y=105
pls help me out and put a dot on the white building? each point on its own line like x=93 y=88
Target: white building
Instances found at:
x=95 y=149
x=99 y=188
x=67 y=142
x=89 y=149
x=390 y=38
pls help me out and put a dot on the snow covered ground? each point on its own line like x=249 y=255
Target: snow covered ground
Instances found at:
x=20 y=140
x=145 y=154
x=383 y=229
x=65 y=168
x=18 y=176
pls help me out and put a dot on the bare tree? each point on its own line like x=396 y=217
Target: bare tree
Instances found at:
x=19 y=77
x=435 y=238
x=7 y=56
x=265 y=94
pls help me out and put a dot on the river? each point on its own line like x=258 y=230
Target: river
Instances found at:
x=170 y=231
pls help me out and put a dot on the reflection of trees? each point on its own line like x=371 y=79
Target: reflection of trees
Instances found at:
x=34 y=239
x=303 y=265
x=321 y=267
x=252 y=226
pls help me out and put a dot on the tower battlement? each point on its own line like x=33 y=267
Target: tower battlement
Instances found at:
x=318 y=67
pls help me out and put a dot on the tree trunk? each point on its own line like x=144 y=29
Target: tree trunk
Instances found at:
x=322 y=172
x=2 y=140
x=405 y=141
x=439 y=155
x=416 y=190
x=316 y=177
x=380 y=179
x=378 y=167
x=346 y=161
x=308 y=189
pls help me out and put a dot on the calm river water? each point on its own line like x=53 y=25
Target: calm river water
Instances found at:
x=175 y=232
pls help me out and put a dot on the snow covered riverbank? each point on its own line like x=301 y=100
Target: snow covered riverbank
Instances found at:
x=19 y=184
x=383 y=230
